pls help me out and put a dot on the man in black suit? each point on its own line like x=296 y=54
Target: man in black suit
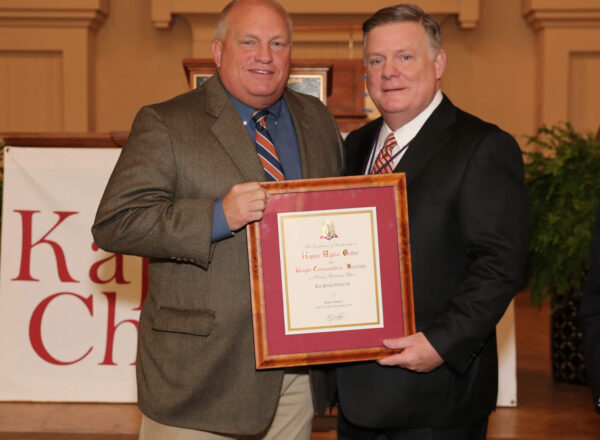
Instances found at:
x=468 y=218
x=589 y=317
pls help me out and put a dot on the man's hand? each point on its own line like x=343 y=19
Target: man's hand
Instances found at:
x=417 y=354
x=243 y=204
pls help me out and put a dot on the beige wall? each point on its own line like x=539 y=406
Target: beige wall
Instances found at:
x=137 y=63
x=491 y=69
x=584 y=89
x=500 y=64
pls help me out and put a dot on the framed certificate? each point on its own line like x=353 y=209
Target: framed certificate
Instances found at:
x=330 y=270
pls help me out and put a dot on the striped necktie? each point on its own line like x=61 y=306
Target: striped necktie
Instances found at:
x=383 y=163
x=265 y=148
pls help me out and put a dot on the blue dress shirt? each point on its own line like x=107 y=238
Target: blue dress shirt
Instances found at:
x=281 y=129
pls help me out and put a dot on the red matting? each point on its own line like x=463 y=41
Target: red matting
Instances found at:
x=382 y=199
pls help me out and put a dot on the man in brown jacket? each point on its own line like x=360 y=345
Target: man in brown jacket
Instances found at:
x=181 y=194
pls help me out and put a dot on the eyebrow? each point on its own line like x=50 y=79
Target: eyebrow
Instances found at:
x=256 y=37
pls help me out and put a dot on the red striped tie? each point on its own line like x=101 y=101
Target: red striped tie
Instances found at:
x=383 y=164
x=265 y=148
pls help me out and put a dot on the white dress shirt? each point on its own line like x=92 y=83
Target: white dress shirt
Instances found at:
x=404 y=134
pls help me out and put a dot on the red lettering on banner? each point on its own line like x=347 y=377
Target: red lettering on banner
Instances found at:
x=118 y=276
x=27 y=246
x=111 y=328
x=35 y=328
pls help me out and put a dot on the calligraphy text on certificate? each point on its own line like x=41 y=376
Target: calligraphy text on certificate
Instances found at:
x=330 y=270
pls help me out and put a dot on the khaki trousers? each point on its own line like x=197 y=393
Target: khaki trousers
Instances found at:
x=292 y=420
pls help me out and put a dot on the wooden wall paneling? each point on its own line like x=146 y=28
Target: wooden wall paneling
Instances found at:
x=38 y=102
x=53 y=42
x=346 y=99
x=306 y=14
x=566 y=32
x=326 y=37
x=467 y=11
x=557 y=47
x=584 y=91
x=202 y=26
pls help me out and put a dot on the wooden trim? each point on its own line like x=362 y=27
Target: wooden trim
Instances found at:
x=114 y=139
x=541 y=14
x=66 y=13
x=467 y=11
x=562 y=30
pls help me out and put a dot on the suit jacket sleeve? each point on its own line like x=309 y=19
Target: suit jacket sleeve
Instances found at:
x=589 y=316
x=492 y=210
x=139 y=213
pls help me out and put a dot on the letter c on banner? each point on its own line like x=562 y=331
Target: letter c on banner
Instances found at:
x=35 y=327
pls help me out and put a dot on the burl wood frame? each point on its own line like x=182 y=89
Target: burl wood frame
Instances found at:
x=343 y=185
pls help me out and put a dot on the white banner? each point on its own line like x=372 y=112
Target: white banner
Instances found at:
x=68 y=311
x=507 y=358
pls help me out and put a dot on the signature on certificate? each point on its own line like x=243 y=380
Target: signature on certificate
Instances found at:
x=333 y=317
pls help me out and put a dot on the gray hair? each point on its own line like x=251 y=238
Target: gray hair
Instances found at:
x=222 y=20
x=406 y=13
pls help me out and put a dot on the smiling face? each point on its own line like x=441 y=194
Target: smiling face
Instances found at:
x=403 y=70
x=253 y=59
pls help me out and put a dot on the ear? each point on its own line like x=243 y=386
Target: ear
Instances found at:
x=217 y=49
x=440 y=63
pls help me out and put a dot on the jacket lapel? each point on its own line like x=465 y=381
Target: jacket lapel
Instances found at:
x=301 y=121
x=363 y=148
x=431 y=138
x=231 y=134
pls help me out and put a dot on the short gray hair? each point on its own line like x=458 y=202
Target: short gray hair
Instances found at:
x=222 y=20
x=406 y=13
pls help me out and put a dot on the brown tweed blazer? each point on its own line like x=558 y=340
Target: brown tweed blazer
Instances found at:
x=195 y=362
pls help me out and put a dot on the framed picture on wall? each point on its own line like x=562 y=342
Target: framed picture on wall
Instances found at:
x=309 y=77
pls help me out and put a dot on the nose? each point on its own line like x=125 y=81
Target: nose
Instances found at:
x=390 y=69
x=264 y=53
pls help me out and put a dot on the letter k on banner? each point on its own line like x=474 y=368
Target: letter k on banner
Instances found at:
x=68 y=310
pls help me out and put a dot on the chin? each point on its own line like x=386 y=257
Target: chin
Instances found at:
x=266 y=91
x=393 y=109
x=262 y=89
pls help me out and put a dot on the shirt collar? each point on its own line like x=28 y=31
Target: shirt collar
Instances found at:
x=246 y=111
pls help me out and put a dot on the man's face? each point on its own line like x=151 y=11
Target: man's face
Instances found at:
x=254 y=57
x=403 y=74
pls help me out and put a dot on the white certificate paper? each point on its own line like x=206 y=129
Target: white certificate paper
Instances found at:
x=330 y=270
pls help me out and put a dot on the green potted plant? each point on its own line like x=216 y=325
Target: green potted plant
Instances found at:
x=563 y=179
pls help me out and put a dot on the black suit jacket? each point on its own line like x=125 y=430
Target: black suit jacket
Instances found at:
x=468 y=220
x=589 y=315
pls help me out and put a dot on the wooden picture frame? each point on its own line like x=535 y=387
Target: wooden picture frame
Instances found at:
x=295 y=276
